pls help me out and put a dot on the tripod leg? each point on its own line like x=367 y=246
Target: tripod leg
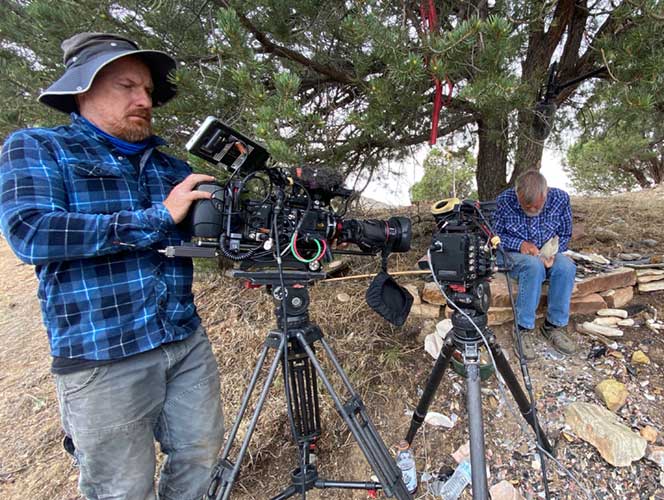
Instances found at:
x=518 y=394
x=476 y=428
x=363 y=430
x=223 y=478
x=430 y=389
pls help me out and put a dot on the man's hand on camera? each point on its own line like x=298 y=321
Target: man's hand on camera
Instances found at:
x=181 y=196
x=528 y=248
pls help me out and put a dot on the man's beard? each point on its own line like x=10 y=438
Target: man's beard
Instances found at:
x=133 y=130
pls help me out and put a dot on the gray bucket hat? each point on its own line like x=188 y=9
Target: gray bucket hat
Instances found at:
x=85 y=54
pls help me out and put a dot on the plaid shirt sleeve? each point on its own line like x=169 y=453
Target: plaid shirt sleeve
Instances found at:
x=34 y=214
x=505 y=213
x=565 y=231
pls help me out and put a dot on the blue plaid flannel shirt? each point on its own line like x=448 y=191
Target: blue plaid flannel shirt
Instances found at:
x=91 y=223
x=514 y=227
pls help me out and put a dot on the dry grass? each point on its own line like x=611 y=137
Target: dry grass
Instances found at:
x=386 y=366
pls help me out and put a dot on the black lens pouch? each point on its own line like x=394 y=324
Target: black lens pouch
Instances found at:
x=389 y=299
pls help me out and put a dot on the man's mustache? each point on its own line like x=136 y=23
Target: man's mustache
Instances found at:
x=147 y=115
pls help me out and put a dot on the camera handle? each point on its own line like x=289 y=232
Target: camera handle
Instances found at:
x=296 y=335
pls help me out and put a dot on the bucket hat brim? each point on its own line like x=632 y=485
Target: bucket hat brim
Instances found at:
x=78 y=78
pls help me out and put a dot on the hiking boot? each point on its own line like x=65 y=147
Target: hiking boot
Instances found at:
x=559 y=338
x=527 y=343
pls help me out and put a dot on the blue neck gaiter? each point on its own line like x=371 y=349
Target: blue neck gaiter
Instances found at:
x=128 y=148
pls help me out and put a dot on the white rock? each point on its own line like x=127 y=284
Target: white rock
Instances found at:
x=626 y=322
x=433 y=343
x=607 y=331
x=439 y=420
x=606 y=321
x=619 y=313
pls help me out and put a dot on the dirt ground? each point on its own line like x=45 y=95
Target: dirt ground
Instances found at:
x=387 y=366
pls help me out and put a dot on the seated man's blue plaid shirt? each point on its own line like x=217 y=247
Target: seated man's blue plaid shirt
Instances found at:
x=514 y=227
x=91 y=221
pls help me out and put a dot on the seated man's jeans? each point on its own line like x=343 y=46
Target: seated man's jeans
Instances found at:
x=529 y=270
x=115 y=412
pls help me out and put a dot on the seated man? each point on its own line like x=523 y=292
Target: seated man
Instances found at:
x=528 y=216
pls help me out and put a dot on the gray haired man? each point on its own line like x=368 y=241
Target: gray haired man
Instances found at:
x=527 y=217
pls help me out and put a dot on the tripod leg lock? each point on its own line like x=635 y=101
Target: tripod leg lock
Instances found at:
x=220 y=478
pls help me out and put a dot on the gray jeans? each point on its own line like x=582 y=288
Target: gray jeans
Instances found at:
x=114 y=413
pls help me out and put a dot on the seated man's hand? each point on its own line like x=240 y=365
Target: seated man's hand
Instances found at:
x=548 y=262
x=528 y=248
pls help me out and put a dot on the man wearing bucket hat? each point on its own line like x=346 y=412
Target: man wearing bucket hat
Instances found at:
x=90 y=204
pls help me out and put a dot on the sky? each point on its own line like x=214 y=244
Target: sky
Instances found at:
x=393 y=189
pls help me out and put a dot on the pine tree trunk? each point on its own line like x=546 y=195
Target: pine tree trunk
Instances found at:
x=529 y=150
x=492 y=157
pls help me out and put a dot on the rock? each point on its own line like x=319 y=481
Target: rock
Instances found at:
x=425 y=311
x=499 y=315
x=649 y=243
x=607 y=321
x=620 y=278
x=619 y=297
x=433 y=343
x=649 y=433
x=412 y=289
x=337 y=267
x=443 y=327
x=605 y=235
x=656 y=454
x=651 y=287
x=649 y=278
x=462 y=453
x=626 y=322
x=587 y=304
x=499 y=294
x=629 y=256
x=640 y=358
x=504 y=490
x=588 y=257
x=606 y=331
x=641 y=273
x=618 y=313
x=616 y=443
x=612 y=393
x=432 y=294
x=343 y=297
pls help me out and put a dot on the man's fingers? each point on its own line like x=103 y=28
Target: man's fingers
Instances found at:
x=192 y=180
x=199 y=195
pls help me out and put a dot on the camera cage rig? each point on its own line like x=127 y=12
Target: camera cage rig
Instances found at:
x=295 y=207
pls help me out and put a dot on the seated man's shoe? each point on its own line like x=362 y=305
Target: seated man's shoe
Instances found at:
x=559 y=338
x=527 y=343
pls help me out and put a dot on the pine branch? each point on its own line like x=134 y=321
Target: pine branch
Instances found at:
x=285 y=52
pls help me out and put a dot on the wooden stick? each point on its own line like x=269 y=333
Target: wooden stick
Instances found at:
x=361 y=276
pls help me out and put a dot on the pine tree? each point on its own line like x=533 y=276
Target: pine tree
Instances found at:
x=347 y=84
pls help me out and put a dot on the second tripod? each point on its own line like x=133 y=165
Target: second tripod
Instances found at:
x=469 y=324
x=293 y=343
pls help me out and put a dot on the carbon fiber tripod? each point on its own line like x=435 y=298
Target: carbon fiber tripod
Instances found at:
x=293 y=344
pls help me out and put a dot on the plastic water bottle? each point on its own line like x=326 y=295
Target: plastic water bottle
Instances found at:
x=455 y=485
x=406 y=462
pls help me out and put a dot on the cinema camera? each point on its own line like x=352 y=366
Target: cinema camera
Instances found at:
x=280 y=225
x=259 y=204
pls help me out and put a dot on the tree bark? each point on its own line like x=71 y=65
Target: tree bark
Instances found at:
x=492 y=157
x=529 y=150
